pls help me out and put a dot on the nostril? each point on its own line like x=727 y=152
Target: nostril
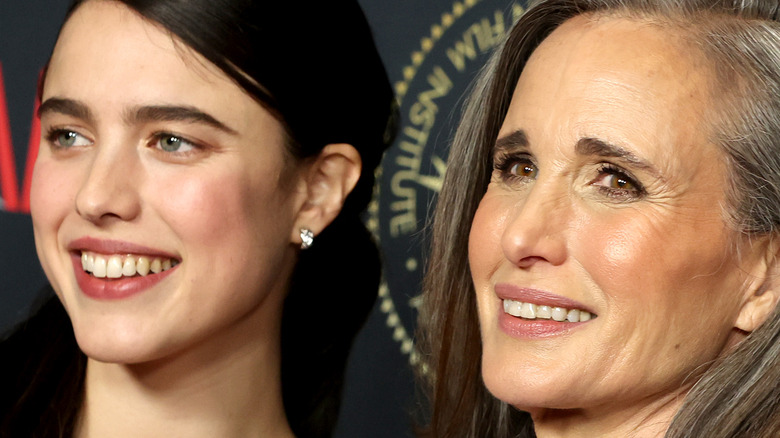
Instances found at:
x=527 y=262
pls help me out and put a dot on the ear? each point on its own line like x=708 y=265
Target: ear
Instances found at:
x=328 y=179
x=763 y=292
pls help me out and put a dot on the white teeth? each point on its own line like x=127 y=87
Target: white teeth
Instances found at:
x=559 y=314
x=128 y=268
x=91 y=263
x=114 y=267
x=528 y=310
x=512 y=307
x=142 y=266
x=534 y=311
x=117 y=266
x=156 y=266
x=99 y=269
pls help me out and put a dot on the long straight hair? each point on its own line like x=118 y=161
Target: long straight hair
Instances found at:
x=313 y=65
x=736 y=397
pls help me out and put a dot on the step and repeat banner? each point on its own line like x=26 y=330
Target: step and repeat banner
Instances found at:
x=432 y=49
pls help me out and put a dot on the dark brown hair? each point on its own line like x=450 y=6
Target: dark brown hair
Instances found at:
x=736 y=397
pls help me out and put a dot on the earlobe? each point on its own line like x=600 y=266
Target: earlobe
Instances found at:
x=328 y=181
x=762 y=300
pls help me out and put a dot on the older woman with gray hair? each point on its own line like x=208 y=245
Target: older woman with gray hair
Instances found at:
x=605 y=252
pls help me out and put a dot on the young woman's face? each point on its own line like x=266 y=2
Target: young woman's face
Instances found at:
x=162 y=199
x=607 y=203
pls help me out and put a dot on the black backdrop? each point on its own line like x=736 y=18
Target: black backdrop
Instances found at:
x=431 y=49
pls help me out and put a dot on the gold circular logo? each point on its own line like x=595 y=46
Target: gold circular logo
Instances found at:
x=411 y=175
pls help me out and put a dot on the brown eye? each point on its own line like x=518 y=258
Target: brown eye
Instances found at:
x=513 y=168
x=617 y=182
x=524 y=170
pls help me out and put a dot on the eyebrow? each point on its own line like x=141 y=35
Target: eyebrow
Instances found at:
x=593 y=146
x=585 y=146
x=166 y=113
x=517 y=139
x=141 y=114
x=67 y=107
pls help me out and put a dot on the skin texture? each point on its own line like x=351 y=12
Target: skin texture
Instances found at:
x=197 y=353
x=658 y=265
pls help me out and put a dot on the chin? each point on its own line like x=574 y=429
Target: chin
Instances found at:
x=525 y=387
x=115 y=344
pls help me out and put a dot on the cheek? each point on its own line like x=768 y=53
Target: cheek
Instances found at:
x=52 y=197
x=656 y=261
x=205 y=209
x=228 y=215
x=615 y=254
x=625 y=262
x=52 y=190
x=487 y=227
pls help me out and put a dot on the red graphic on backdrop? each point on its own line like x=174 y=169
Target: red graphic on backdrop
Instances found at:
x=9 y=187
x=32 y=155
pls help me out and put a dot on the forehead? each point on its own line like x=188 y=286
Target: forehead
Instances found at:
x=627 y=81
x=111 y=59
x=107 y=48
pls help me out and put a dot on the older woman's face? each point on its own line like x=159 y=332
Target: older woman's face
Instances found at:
x=606 y=203
x=159 y=171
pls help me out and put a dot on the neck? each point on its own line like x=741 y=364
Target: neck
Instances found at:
x=644 y=419
x=217 y=388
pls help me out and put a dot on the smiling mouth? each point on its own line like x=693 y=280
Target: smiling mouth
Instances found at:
x=534 y=311
x=119 y=266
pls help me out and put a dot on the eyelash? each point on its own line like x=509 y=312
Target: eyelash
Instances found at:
x=637 y=192
x=52 y=136
x=159 y=136
x=504 y=163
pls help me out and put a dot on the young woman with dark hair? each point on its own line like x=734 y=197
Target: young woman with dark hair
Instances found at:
x=196 y=206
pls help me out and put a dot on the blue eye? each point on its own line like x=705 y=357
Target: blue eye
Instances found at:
x=174 y=143
x=65 y=138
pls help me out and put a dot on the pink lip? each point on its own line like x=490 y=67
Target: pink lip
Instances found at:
x=534 y=328
x=507 y=291
x=115 y=247
x=119 y=288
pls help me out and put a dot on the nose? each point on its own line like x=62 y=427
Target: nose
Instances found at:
x=109 y=191
x=536 y=229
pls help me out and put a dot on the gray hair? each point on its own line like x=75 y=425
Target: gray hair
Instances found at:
x=739 y=40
